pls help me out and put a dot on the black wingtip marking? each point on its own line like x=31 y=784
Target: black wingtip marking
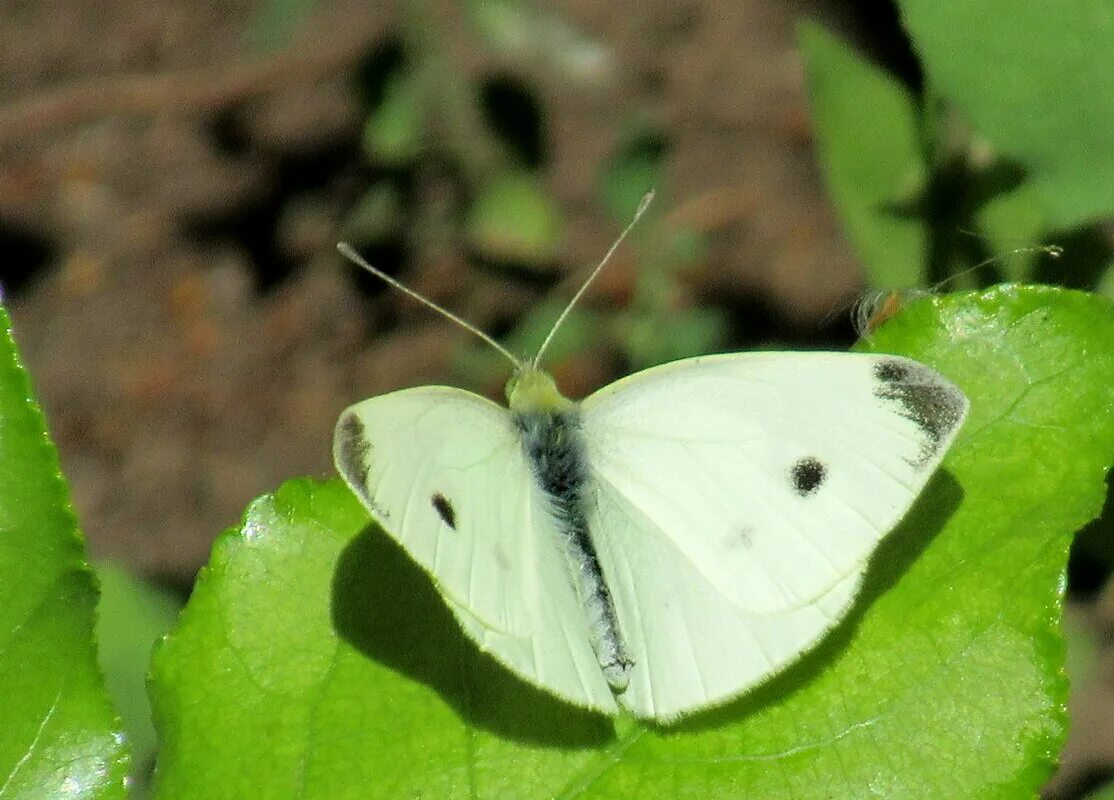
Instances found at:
x=353 y=450
x=807 y=476
x=891 y=371
x=444 y=509
x=934 y=405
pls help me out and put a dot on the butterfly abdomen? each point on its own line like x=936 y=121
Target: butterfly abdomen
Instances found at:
x=552 y=443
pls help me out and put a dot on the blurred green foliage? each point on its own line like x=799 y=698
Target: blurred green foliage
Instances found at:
x=276 y=21
x=480 y=149
x=131 y=616
x=997 y=152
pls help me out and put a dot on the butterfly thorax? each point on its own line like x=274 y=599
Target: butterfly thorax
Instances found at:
x=533 y=390
x=549 y=427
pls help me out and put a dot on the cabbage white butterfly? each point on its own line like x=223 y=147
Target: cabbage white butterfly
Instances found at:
x=672 y=540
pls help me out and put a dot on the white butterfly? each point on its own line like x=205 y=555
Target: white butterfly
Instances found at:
x=672 y=540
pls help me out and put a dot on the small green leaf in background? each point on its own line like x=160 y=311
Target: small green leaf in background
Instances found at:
x=275 y=22
x=514 y=219
x=394 y=134
x=315 y=660
x=636 y=167
x=868 y=140
x=653 y=339
x=1104 y=793
x=131 y=616
x=58 y=734
x=583 y=329
x=1034 y=79
x=1013 y=223
x=379 y=215
x=523 y=31
x=1082 y=659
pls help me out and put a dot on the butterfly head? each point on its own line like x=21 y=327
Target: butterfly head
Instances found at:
x=533 y=389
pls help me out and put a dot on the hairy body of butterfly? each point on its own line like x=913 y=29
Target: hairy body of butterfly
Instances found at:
x=672 y=540
x=552 y=443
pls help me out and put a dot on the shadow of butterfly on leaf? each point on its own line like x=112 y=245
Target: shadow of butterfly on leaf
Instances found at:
x=386 y=607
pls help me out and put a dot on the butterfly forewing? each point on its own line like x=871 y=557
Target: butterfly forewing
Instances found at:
x=443 y=472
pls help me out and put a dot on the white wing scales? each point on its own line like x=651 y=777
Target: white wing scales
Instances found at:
x=499 y=568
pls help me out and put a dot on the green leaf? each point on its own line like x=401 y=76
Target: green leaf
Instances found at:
x=1083 y=648
x=395 y=131
x=868 y=143
x=58 y=735
x=315 y=660
x=478 y=364
x=275 y=21
x=521 y=31
x=653 y=338
x=1106 y=792
x=1034 y=80
x=131 y=616
x=513 y=219
x=377 y=216
x=635 y=168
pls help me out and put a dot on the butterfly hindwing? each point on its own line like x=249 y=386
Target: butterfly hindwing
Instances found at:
x=443 y=471
x=711 y=651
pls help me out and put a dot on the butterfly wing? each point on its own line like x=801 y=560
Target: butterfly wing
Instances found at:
x=443 y=472
x=691 y=647
x=737 y=499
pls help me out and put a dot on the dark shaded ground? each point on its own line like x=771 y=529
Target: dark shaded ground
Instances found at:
x=169 y=202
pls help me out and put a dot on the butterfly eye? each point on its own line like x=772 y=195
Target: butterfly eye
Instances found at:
x=807 y=476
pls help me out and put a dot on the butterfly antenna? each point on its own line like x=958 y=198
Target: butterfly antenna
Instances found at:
x=886 y=301
x=350 y=253
x=1050 y=250
x=642 y=206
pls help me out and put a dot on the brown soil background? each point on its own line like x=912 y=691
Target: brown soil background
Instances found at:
x=191 y=332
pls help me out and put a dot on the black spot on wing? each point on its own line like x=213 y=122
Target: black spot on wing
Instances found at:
x=444 y=509
x=924 y=398
x=807 y=475
x=353 y=450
